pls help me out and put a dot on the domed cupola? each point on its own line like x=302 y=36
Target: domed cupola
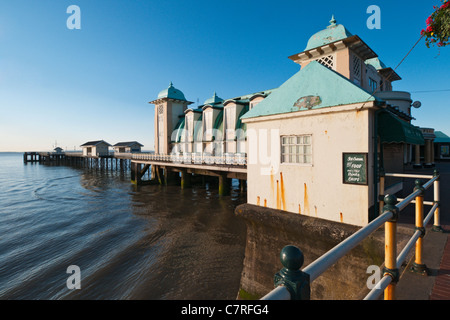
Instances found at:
x=171 y=93
x=169 y=108
x=213 y=100
x=337 y=49
x=334 y=32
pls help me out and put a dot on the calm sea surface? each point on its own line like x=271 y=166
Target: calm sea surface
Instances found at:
x=146 y=242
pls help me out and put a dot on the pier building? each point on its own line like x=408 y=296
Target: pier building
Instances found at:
x=127 y=147
x=442 y=146
x=332 y=128
x=97 y=148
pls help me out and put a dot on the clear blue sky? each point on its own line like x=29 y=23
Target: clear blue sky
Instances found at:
x=72 y=86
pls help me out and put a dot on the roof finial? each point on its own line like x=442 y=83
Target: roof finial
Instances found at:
x=171 y=84
x=332 y=21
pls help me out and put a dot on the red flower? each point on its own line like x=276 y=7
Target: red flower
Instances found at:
x=429 y=21
x=429 y=29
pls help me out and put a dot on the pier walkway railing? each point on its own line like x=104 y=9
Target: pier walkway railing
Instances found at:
x=294 y=284
x=229 y=159
x=194 y=158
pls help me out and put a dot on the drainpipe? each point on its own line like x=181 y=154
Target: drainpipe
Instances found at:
x=375 y=158
x=375 y=165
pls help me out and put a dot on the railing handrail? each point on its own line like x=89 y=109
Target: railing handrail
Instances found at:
x=279 y=293
x=320 y=265
x=316 y=268
x=408 y=175
x=378 y=289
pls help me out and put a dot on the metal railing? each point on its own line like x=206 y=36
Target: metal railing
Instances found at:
x=294 y=284
x=126 y=155
x=234 y=159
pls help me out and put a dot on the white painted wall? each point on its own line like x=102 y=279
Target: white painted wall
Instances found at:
x=315 y=190
x=101 y=149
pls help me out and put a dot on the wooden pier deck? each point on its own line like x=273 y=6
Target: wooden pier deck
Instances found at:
x=121 y=161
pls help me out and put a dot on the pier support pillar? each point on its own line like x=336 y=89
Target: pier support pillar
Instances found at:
x=170 y=177
x=224 y=185
x=158 y=174
x=185 y=179
x=242 y=185
x=136 y=173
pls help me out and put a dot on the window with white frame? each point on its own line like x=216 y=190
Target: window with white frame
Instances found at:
x=296 y=149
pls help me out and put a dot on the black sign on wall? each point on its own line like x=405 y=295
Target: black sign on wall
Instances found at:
x=355 y=168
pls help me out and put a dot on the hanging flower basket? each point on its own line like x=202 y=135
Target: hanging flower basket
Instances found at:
x=437 y=31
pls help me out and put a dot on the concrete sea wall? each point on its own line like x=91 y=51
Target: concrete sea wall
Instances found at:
x=269 y=230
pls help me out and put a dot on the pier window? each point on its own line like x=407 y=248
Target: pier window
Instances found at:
x=327 y=61
x=190 y=127
x=356 y=70
x=372 y=84
x=208 y=116
x=296 y=149
x=230 y=118
x=160 y=141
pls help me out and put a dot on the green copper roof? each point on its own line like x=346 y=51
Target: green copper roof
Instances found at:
x=194 y=110
x=332 y=33
x=213 y=100
x=313 y=87
x=241 y=127
x=179 y=129
x=441 y=137
x=219 y=121
x=172 y=93
x=376 y=63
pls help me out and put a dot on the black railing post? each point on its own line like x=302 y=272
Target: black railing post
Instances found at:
x=296 y=281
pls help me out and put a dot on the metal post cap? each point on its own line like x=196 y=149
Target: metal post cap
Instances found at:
x=391 y=205
x=292 y=258
x=419 y=185
x=390 y=200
